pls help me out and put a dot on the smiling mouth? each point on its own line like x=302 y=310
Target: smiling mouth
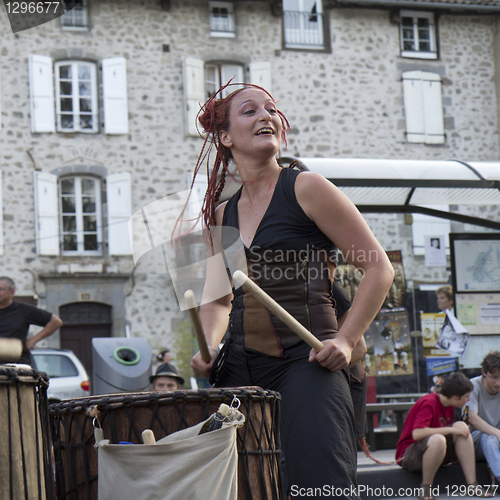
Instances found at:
x=265 y=131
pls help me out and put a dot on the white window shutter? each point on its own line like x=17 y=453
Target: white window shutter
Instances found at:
x=414 y=106
x=194 y=92
x=229 y=71
x=119 y=202
x=41 y=83
x=433 y=108
x=114 y=84
x=1 y=215
x=260 y=74
x=46 y=214
x=234 y=71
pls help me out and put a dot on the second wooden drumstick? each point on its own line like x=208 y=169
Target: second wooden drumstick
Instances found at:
x=198 y=328
x=148 y=437
x=248 y=285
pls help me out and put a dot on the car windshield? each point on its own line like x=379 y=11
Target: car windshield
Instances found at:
x=55 y=365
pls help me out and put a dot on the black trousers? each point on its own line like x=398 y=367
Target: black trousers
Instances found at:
x=358 y=394
x=317 y=419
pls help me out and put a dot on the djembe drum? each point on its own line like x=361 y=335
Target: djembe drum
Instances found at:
x=123 y=417
x=25 y=464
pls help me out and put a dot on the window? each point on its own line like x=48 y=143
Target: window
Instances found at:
x=55 y=366
x=76 y=97
x=418 y=35
x=423 y=107
x=73 y=107
x=221 y=19
x=80 y=215
x=69 y=213
x=202 y=79
x=217 y=75
x=303 y=24
x=76 y=15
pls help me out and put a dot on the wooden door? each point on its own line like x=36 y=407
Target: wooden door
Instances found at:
x=78 y=338
x=82 y=322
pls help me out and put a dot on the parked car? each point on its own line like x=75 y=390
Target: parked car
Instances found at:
x=68 y=378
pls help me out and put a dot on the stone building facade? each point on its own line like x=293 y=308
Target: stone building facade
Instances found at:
x=141 y=66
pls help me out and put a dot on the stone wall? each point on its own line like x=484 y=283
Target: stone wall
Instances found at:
x=347 y=102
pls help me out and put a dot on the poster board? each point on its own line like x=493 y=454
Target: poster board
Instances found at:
x=349 y=278
x=475 y=261
x=479 y=312
x=437 y=365
x=388 y=343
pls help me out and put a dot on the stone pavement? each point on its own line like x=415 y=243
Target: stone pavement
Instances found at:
x=391 y=482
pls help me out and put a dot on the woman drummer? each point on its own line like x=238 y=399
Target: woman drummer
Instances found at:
x=290 y=223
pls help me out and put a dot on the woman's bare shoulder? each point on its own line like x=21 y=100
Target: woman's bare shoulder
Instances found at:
x=307 y=182
x=311 y=187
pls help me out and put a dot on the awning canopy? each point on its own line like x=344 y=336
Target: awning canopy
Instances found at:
x=405 y=186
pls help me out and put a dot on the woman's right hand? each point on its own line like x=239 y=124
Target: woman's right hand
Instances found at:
x=202 y=368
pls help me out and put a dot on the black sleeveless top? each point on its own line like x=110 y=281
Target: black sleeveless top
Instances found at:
x=284 y=226
x=291 y=260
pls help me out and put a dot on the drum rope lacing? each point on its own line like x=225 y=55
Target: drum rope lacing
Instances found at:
x=99 y=411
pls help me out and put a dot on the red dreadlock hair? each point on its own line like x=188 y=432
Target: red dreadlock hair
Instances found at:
x=214 y=117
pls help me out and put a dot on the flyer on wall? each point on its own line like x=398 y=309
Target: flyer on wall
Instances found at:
x=435 y=251
x=453 y=338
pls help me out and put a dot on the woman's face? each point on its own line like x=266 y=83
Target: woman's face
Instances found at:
x=443 y=302
x=254 y=125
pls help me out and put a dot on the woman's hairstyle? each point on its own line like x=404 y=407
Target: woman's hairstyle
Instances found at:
x=446 y=290
x=456 y=384
x=214 y=117
x=491 y=362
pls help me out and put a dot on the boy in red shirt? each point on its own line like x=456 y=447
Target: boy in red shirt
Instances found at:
x=430 y=438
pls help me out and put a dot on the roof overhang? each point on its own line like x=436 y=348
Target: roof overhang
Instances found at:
x=407 y=186
x=479 y=8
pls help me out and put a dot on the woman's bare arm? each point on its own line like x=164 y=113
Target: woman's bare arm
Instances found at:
x=341 y=222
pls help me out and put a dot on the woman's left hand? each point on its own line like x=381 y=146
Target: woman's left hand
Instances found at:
x=336 y=354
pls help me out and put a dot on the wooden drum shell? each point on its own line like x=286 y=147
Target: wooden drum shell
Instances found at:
x=25 y=456
x=124 y=416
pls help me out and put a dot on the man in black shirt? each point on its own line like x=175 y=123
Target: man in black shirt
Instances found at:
x=16 y=318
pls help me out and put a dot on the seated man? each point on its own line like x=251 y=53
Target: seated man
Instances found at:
x=484 y=413
x=166 y=378
x=430 y=438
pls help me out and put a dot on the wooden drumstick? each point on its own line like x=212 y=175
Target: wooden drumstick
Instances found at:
x=198 y=328
x=10 y=349
x=249 y=286
x=148 y=437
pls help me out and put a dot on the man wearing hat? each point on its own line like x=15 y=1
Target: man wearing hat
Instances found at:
x=166 y=378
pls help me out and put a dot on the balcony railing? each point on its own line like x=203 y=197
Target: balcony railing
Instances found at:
x=222 y=25
x=303 y=29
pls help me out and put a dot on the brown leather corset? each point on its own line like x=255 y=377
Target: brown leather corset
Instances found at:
x=300 y=281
